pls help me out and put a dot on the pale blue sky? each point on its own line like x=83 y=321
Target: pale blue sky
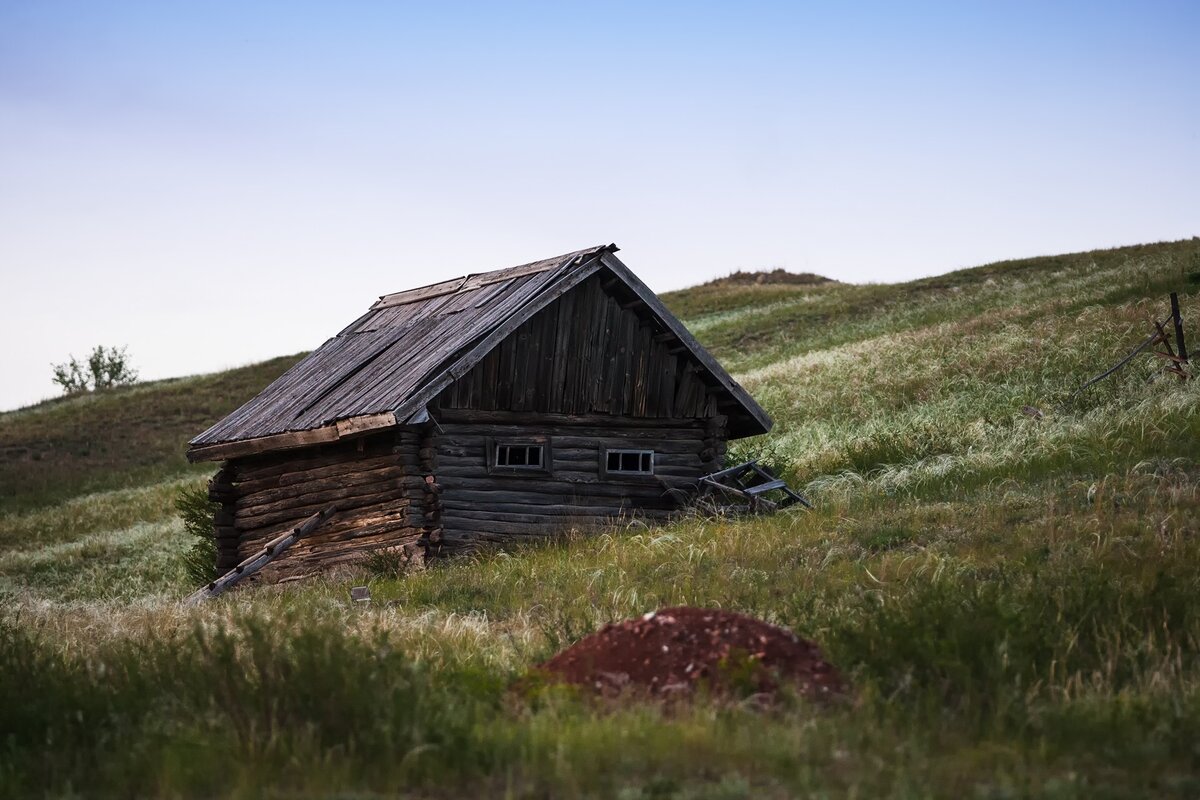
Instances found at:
x=216 y=183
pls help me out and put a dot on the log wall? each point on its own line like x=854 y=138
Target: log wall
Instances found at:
x=376 y=482
x=480 y=505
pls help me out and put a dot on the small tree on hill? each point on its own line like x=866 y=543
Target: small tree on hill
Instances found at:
x=105 y=368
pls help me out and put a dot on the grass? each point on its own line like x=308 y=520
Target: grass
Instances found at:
x=1012 y=597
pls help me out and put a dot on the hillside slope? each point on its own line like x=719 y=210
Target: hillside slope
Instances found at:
x=1013 y=595
x=120 y=438
x=126 y=437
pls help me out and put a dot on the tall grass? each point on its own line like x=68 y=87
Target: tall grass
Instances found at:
x=1068 y=668
x=1012 y=596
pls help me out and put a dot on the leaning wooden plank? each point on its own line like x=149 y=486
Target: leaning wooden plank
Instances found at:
x=798 y=498
x=762 y=473
x=724 y=488
x=754 y=491
x=731 y=472
x=259 y=560
x=348 y=521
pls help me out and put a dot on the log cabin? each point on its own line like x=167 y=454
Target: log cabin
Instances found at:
x=491 y=408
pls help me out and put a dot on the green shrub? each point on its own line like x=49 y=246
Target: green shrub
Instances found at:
x=197 y=512
x=106 y=367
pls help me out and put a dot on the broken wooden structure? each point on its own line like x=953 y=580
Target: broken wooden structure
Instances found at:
x=1176 y=359
x=752 y=487
x=495 y=407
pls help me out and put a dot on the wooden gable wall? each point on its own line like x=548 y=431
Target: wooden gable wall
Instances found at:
x=589 y=352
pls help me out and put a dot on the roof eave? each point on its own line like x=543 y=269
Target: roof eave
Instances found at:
x=347 y=428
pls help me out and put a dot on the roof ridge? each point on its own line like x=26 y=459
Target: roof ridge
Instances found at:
x=473 y=280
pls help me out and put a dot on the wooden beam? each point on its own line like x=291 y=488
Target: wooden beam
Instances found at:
x=263 y=444
x=342 y=429
x=1177 y=320
x=370 y=422
x=422 y=293
x=488 y=278
x=260 y=559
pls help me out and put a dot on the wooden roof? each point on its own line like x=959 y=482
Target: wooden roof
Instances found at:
x=383 y=368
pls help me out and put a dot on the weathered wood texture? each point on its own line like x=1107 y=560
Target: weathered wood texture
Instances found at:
x=375 y=481
x=588 y=352
x=479 y=506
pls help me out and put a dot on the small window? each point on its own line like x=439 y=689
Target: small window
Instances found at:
x=526 y=456
x=519 y=456
x=630 y=462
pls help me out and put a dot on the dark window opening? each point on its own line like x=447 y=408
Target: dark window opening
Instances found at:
x=521 y=456
x=639 y=462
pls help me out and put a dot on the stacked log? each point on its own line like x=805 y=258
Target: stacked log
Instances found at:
x=429 y=490
x=368 y=480
x=712 y=451
x=221 y=490
x=481 y=505
x=432 y=490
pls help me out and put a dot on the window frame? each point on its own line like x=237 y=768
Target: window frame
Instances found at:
x=628 y=474
x=493 y=453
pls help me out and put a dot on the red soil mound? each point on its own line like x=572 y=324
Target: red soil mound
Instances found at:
x=673 y=650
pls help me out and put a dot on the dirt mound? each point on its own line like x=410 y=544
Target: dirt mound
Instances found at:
x=775 y=276
x=674 y=650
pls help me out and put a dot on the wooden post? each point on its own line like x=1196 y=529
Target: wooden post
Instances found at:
x=1180 y=345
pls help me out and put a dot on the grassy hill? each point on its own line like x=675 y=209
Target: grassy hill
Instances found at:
x=123 y=437
x=1012 y=595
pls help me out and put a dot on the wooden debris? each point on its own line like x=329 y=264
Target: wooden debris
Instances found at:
x=752 y=483
x=1178 y=360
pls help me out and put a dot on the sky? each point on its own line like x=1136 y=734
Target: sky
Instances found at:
x=215 y=183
